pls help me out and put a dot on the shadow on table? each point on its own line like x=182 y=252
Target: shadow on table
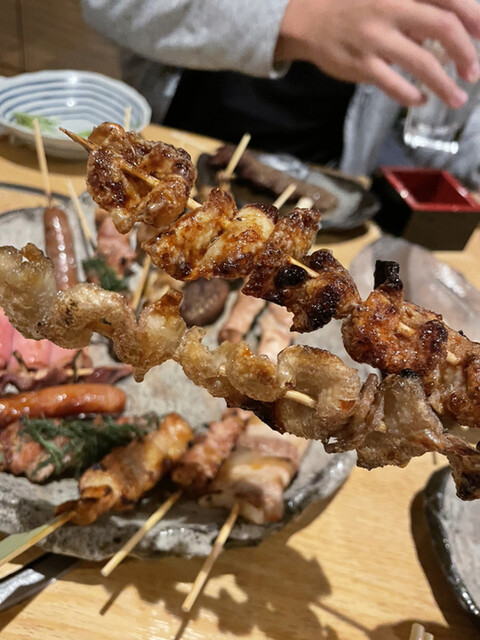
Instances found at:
x=276 y=588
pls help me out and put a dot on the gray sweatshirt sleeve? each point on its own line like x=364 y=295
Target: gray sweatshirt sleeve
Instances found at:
x=236 y=35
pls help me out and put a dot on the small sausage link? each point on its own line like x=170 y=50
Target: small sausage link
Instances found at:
x=59 y=247
x=64 y=400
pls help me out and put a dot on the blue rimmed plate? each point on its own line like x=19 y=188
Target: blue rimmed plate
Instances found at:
x=75 y=100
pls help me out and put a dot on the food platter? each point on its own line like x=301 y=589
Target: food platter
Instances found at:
x=187 y=530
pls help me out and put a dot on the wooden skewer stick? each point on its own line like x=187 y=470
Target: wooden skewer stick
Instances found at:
x=284 y=196
x=81 y=216
x=304 y=203
x=127 y=116
x=297 y=396
x=122 y=553
x=126 y=166
x=42 y=161
x=237 y=154
x=17 y=543
x=209 y=562
x=137 y=296
x=311 y=272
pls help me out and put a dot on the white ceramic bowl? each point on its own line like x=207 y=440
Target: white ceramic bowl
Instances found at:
x=76 y=100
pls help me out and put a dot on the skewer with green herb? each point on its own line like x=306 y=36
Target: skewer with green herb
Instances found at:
x=42 y=448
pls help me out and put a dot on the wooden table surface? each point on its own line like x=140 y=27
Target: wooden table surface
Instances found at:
x=359 y=566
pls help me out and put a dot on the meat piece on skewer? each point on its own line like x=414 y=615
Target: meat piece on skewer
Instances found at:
x=275 y=326
x=256 y=474
x=394 y=336
x=313 y=301
x=242 y=316
x=204 y=301
x=113 y=246
x=61 y=401
x=127 y=473
x=199 y=465
x=60 y=248
x=42 y=448
x=128 y=198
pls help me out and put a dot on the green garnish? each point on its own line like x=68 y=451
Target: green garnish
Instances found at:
x=97 y=268
x=87 y=441
x=84 y=134
x=46 y=125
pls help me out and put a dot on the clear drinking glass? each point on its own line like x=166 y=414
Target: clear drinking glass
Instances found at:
x=434 y=125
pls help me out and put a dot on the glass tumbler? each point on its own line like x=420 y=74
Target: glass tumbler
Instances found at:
x=434 y=125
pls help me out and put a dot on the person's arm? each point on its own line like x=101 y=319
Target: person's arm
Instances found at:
x=236 y=35
x=359 y=40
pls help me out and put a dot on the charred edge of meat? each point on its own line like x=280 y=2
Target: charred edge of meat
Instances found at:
x=290 y=275
x=409 y=374
x=322 y=259
x=325 y=307
x=468 y=486
x=387 y=275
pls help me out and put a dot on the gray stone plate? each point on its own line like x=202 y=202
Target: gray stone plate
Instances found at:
x=454 y=526
x=187 y=530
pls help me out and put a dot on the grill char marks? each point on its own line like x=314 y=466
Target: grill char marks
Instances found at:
x=313 y=301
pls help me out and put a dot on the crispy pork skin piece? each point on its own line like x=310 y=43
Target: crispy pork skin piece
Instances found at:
x=128 y=472
x=199 y=465
x=256 y=475
x=313 y=301
x=130 y=199
x=324 y=377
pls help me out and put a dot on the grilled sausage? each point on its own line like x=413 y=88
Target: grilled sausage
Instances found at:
x=64 y=400
x=59 y=247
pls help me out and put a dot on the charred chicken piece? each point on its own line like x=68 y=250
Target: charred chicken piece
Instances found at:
x=395 y=336
x=313 y=301
x=130 y=199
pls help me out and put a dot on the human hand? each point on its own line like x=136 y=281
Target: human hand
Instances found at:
x=359 y=40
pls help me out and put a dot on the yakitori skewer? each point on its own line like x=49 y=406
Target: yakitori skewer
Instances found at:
x=217 y=549
x=81 y=216
x=127 y=116
x=15 y=544
x=285 y=195
x=42 y=161
x=126 y=166
x=192 y=473
x=225 y=176
x=122 y=553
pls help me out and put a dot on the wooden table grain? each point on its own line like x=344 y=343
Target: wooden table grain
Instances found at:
x=358 y=566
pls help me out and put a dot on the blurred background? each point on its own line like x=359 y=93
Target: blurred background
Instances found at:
x=51 y=34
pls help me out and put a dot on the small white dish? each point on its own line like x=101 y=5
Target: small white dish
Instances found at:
x=75 y=100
